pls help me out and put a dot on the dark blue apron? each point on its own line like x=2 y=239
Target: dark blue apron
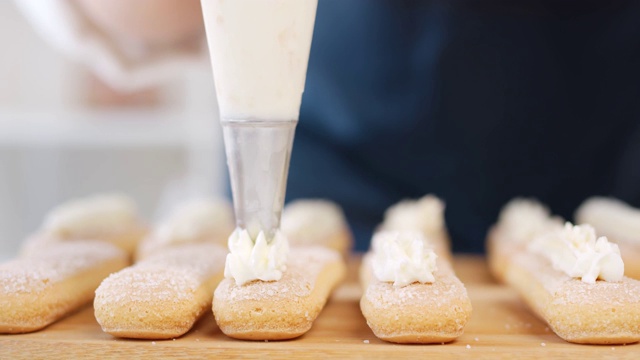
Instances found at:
x=474 y=101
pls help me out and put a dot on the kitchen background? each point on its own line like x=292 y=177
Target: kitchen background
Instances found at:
x=64 y=134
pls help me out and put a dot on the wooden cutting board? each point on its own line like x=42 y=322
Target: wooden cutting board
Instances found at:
x=501 y=327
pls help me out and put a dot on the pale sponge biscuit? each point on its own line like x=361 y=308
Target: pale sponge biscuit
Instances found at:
x=519 y=222
x=578 y=312
x=417 y=313
x=619 y=222
x=311 y=222
x=498 y=254
x=421 y=299
x=37 y=290
x=111 y=218
x=283 y=309
x=559 y=272
x=162 y=296
x=196 y=221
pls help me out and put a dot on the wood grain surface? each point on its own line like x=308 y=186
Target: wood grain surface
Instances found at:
x=501 y=327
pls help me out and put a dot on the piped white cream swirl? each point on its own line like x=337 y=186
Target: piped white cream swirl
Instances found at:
x=312 y=221
x=92 y=216
x=402 y=258
x=425 y=214
x=250 y=260
x=577 y=252
x=197 y=220
x=525 y=219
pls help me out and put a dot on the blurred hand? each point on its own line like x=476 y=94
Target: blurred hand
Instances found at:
x=151 y=23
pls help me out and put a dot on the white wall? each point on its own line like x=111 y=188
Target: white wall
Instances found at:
x=32 y=75
x=53 y=148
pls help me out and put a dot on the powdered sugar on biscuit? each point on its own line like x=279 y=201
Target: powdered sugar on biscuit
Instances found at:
x=57 y=263
x=171 y=274
x=303 y=268
x=384 y=295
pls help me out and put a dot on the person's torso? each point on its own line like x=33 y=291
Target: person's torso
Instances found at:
x=474 y=101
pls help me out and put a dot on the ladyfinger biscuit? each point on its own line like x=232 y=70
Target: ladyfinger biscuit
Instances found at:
x=282 y=309
x=434 y=309
x=424 y=215
x=519 y=222
x=196 y=221
x=316 y=222
x=600 y=313
x=571 y=279
x=162 y=296
x=111 y=218
x=619 y=222
x=36 y=291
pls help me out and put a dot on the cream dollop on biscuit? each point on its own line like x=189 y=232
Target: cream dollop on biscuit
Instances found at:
x=402 y=258
x=197 y=220
x=525 y=219
x=257 y=259
x=425 y=214
x=92 y=216
x=312 y=221
x=577 y=252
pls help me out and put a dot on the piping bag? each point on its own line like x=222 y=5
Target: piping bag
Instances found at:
x=259 y=53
